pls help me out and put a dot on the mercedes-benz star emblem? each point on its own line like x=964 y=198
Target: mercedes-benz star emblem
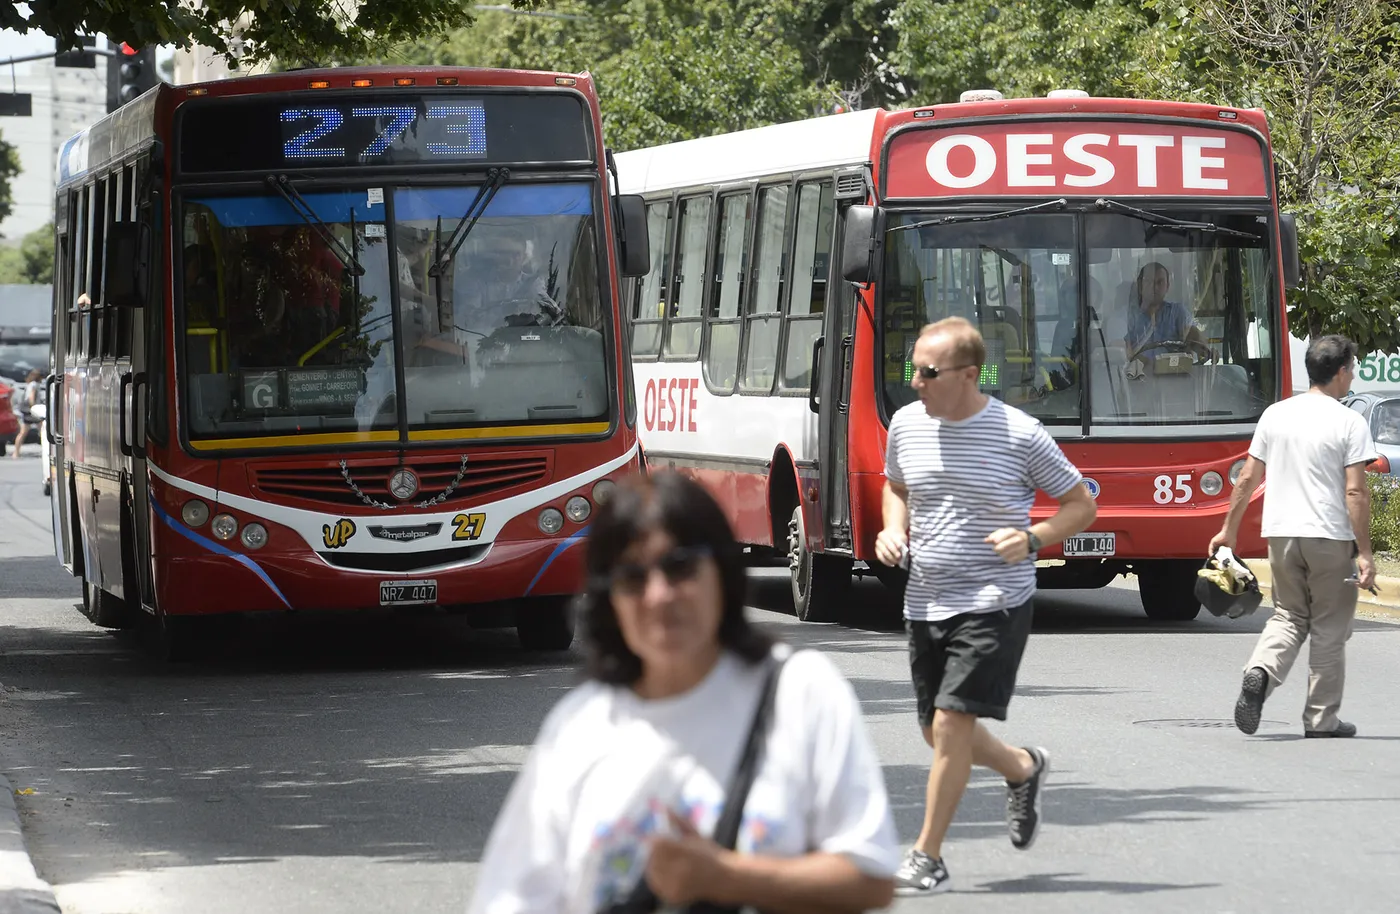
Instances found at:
x=403 y=485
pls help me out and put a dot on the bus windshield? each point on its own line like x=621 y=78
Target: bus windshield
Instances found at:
x=1098 y=320
x=281 y=337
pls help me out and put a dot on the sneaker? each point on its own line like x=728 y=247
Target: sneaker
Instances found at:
x=1343 y=730
x=1249 y=707
x=921 y=874
x=1023 y=802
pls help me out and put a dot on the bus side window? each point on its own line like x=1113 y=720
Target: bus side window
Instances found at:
x=816 y=218
x=727 y=293
x=688 y=284
x=648 y=305
x=768 y=280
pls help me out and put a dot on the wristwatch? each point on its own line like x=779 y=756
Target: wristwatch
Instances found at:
x=1033 y=543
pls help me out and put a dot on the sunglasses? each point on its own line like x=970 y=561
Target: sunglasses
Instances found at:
x=679 y=565
x=932 y=371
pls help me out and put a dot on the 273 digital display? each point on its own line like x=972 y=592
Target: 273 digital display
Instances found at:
x=363 y=130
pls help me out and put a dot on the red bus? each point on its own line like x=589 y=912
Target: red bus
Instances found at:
x=340 y=339
x=765 y=375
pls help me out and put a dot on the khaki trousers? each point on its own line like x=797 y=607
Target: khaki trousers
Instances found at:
x=1311 y=601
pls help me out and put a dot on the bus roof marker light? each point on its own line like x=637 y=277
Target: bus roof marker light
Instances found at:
x=565 y=81
x=362 y=83
x=924 y=112
x=405 y=81
x=1067 y=93
x=319 y=84
x=198 y=91
x=981 y=95
x=447 y=80
x=1228 y=115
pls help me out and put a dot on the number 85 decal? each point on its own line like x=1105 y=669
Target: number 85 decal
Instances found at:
x=468 y=526
x=1166 y=492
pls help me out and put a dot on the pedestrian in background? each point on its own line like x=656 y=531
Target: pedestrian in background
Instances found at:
x=961 y=471
x=626 y=782
x=27 y=399
x=1317 y=519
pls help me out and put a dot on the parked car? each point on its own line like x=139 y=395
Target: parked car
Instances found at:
x=1381 y=408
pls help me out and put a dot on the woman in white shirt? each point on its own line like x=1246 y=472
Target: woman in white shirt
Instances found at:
x=626 y=780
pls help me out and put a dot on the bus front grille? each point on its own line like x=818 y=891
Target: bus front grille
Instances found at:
x=476 y=479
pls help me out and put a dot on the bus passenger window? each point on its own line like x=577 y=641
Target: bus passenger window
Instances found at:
x=768 y=284
x=811 y=258
x=649 y=305
x=688 y=285
x=727 y=294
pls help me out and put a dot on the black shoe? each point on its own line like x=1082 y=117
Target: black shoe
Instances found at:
x=1344 y=730
x=921 y=874
x=1023 y=802
x=1249 y=707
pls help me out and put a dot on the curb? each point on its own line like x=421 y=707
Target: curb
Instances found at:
x=1383 y=606
x=21 y=889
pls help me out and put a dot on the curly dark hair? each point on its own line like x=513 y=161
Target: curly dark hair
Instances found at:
x=675 y=504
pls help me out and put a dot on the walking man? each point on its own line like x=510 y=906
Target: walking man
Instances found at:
x=1317 y=519
x=962 y=470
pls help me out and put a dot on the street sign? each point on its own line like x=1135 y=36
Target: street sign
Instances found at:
x=16 y=104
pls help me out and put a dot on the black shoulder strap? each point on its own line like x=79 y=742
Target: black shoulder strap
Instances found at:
x=727 y=829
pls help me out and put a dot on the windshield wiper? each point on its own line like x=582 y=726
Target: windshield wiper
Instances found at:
x=284 y=187
x=495 y=180
x=1171 y=222
x=1048 y=205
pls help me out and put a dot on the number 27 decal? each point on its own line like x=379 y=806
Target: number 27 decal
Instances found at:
x=468 y=526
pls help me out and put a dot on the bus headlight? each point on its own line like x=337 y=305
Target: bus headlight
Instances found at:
x=254 y=536
x=223 y=526
x=1211 y=483
x=195 y=513
x=604 y=490
x=578 y=509
x=551 y=521
x=1236 y=469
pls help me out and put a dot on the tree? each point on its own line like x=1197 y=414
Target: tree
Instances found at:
x=32 y=261
x=9 y=170
x=302 y=31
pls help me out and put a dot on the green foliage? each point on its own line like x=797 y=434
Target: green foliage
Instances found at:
x=9 y=170
x=254 y=30
x=1385 y=513
x=32 y=261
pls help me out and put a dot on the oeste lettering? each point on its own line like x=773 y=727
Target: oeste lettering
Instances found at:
x=669 y=404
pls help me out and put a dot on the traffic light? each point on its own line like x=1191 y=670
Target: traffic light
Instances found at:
x=79 y=58
x=130 y=74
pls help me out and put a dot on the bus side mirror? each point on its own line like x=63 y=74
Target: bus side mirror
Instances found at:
x=636 y=247
x=128 y=264
x=1288 y=239
x=861 y=243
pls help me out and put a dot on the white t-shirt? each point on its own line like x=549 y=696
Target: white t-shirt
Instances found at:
x=966 y=479
x=1306 y=443
x=607 y=764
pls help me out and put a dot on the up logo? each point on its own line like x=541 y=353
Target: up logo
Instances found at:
x=338 y=533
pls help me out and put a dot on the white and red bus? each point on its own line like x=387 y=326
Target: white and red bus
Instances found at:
x=340 y=339
x=766 y=375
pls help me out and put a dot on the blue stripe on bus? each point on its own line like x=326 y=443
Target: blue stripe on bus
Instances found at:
x=273 y=210
x=520 y=200
x=558 y=551
x=218 y=549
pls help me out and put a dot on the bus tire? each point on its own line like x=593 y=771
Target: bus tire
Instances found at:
x=545 y=624
x=105 y=609
x=821 y=584
x=1167 y=588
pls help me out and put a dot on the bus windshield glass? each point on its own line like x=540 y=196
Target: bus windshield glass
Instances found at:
x=281 y=338
x=1106 y=320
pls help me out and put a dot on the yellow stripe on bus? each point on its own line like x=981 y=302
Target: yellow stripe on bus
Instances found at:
x=511 y=431
x=220 y=444
x=446 y=434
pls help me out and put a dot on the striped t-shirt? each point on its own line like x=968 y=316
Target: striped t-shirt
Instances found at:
x=966 y=479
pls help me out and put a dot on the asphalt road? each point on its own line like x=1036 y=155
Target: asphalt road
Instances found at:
x=355 y=764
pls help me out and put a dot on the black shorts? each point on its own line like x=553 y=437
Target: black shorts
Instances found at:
x=968 y=663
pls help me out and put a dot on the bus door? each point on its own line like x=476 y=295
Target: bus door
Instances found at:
x=143 y=210
x=56 y=393
x=831 y=386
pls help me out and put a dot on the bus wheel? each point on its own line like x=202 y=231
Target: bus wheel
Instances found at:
x=1168 y=589
x=545 y=624
x=821 y=584
x=104 y=609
